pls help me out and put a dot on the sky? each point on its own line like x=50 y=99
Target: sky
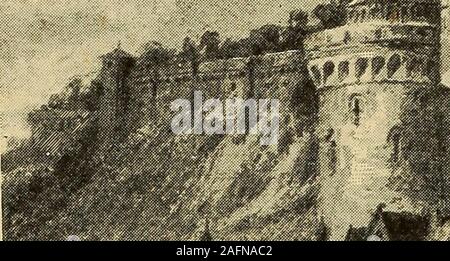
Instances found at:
x=44 y=43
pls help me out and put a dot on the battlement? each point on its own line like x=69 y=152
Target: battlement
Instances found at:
x=371 y=72
x=394 y=11
x=379 y=65
x=183 y=71
x=381 y=42
x=382 y=32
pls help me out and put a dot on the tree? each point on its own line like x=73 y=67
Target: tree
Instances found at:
x=56 y=101
x=155 y=55
x=293 y=36
x=190 y=53
x=330 y=15
x=265 y=39
x=73 y=89
x=298 y=19
x=229 y=49
x=209 y=43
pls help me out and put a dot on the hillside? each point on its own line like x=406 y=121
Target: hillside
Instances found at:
x=156 y=187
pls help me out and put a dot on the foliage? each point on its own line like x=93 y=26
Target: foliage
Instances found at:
x=156 y=55
x=209 y=43
x=293 y=36
x=190 y=53
x=330 y=15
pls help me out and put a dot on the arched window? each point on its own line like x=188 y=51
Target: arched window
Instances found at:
x=356 y=109
x=377 y=64
x=328 y=70
x=344 y=70
x=393 y=65
x=361 y=67
x=394 y=139
x=316 y=75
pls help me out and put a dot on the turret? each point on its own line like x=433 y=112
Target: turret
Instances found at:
x=114 y=95
x=364 y=69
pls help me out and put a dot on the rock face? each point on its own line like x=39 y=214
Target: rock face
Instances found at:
x=143 y=182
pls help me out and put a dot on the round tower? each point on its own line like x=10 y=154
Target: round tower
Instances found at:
x=114 y=95
x=363 y=70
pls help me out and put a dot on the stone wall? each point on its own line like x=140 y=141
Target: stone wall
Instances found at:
x=278 y=76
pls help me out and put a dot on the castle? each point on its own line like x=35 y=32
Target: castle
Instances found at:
x=382 y=123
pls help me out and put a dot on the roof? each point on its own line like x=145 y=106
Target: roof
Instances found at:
x=392 y=226
x=405 y=226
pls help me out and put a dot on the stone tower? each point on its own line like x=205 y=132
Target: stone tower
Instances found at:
x=364 y=70
x=114 y=96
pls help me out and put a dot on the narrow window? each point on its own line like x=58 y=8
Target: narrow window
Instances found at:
x=343 y=70
x=377 y=64
x=316 y=75
x=356 y=110
x=328 y=70
x=393 y=65
x=361 y=67
x=394 y=139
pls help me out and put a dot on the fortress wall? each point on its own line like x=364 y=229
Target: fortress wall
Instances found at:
x=274 y=76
